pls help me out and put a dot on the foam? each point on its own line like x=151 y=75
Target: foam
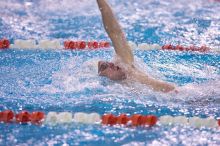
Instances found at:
x=76 y=75
x=92 y=64
x=200 y=92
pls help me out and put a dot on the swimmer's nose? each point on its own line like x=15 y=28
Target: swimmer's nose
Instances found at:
x=111 y=65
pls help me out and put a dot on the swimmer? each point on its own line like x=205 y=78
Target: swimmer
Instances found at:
x=123 y=68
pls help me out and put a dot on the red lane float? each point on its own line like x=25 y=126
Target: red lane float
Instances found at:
x=104 y=44
x=149 y=120
x=167 y=47
x=69 y=45
x=82 y=44
x=37 y=117
x=109 y=119
x=6 y=116
x=182 y=48
x=23 y=117
x=4 y=44
x=140 y=120
x=93 y=45
x=136 y=120
x=122 y=119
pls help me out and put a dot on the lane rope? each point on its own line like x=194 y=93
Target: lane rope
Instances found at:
x=135 y=120
x=93 y=45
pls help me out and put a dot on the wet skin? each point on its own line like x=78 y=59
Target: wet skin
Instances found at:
x=110 y=70
x=124 y=52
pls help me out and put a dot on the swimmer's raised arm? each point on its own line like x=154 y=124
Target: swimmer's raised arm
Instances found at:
x=123 y=50
x=115 y=33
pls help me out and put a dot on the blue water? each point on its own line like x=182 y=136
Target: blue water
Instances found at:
x=49 y=80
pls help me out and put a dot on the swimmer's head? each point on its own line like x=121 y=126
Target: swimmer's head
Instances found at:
x=110 y=70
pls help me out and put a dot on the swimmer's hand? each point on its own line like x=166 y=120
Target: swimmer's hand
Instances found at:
x=162 y=86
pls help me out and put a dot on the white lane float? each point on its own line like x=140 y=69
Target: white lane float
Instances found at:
x=24 y=44
x=54 y=118
x=49 y=44
x=145 y=46
x=216 y=49
x=180 y=120
x=51 y=118
x=210 y=122
x=93 y=118
x=64 y=117
x=166 y=120
x=80 y=117
x=196 y=122
x=132 y=45
x=156 y=46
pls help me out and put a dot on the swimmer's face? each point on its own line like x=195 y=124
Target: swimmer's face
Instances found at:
x=111 y=71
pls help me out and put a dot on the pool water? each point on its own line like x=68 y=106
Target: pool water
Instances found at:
x=61 y=80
